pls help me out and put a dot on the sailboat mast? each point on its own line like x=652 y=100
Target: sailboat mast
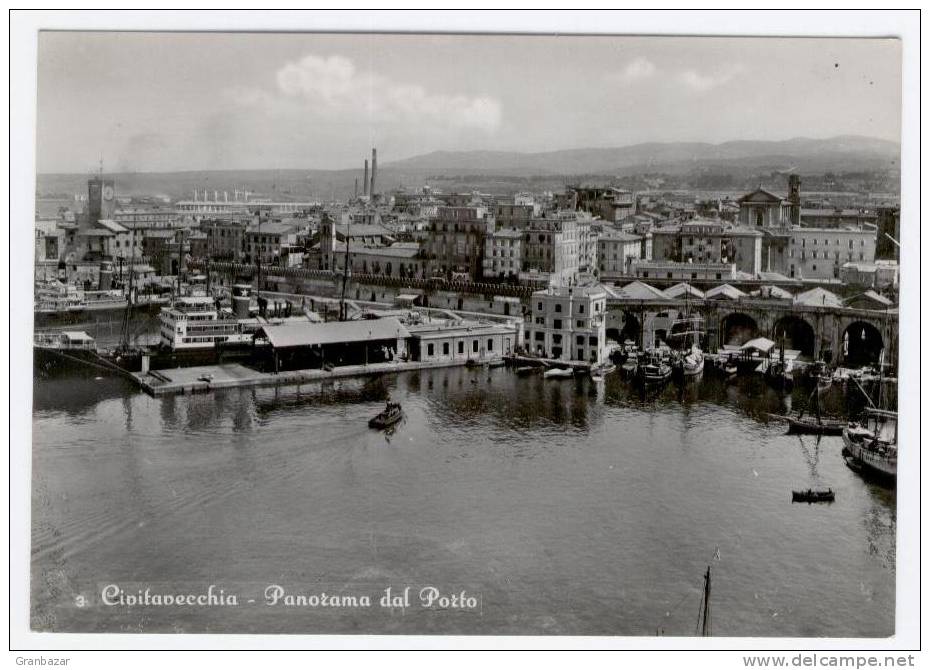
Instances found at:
x=705 y=627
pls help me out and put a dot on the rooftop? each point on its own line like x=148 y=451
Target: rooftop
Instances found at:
x=307 y=334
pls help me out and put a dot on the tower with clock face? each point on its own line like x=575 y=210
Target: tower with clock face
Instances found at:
x=101 y=200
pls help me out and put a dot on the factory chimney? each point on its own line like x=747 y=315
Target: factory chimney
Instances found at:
x=356 y=188
x=374 y=171
x=365 y=180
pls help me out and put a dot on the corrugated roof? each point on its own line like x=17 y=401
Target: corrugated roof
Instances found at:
x=638 y=290
x=818 y=297
x=307 y=334
x=773 y=292
x=725 y=291
x=870 y=295
x=683 y=288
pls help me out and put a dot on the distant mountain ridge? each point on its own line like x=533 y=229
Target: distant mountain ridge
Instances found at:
x=844 y=152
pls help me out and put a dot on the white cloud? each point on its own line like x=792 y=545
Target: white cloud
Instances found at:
x=700 y=82
x=635 y=70
x=332 y=86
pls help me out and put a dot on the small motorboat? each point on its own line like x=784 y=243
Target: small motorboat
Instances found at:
x=392 y=414
x=473 y=363
x=526 y=370
x=654 y=371
x=813 y=496
x=558 y=373
x=497 y=363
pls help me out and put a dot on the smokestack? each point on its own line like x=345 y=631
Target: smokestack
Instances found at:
x=374 y=170
x=356 y=188
x=365 y=180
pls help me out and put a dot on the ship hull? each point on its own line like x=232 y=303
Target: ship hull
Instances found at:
x=54 y=362
x=868 y=461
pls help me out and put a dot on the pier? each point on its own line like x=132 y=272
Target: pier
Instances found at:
x=206 y=378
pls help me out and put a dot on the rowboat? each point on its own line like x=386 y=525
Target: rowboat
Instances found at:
x=815 y=427
x=392 y=414
x=813 y=496
x=558 y=373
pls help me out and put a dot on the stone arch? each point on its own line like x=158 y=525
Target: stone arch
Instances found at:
x=862 y=344
x=797 y=333
x=630 y=329
x=737 y=328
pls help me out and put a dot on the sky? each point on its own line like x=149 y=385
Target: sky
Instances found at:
x=207 y=101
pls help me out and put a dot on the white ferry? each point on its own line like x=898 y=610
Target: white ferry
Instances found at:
x=194 y=330
x=195 y=322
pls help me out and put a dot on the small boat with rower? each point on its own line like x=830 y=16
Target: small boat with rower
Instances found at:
x=392 y=413
x=813 y=496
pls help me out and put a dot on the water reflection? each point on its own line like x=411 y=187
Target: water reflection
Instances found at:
x=531 y=491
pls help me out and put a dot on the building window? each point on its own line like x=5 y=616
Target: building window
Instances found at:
x=445 y=348
x=462 y=343
x=592 y=341
x=579 y=324
x=429 y=349
x=579 y=339
x=490 y=345
x=558 y=307
x=581 y=309
x=557 y=339
x=557 y=324
x=474 y=346
x=538 y=306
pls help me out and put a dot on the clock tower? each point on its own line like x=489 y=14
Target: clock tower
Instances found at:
x=101 y=199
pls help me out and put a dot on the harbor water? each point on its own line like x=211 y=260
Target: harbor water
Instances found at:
x=560 y=506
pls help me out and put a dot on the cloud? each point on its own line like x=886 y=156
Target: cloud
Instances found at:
x=333 y=87
x=635 y=70
x=700 y=82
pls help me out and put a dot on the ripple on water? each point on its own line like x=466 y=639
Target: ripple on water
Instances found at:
x=571 y=509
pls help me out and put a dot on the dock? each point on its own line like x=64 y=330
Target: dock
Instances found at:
x=234 y=375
